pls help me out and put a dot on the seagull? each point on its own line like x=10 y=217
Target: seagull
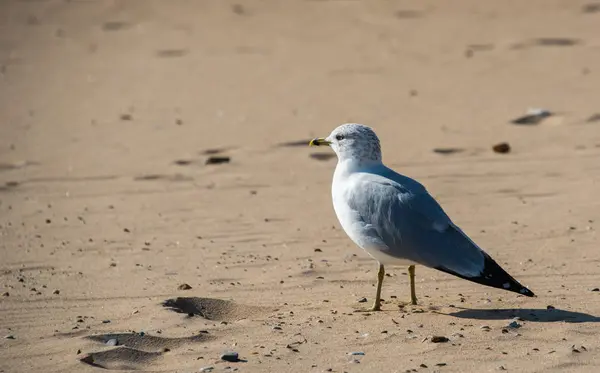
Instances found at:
x=395 y=219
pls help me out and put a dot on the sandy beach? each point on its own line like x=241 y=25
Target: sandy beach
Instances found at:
x=160 y=206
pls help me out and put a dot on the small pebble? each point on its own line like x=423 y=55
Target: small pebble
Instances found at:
x=105 y=321
x=184 y=287
x=439 y=339
x=362 y=300
x=501 y=148
x=533 y=116
x=514 y=325
x=596 y=289
x=231 y=356
x=10 y=336
x=217 y=160
x=56 y=292
x=550 y=308
x=594 y=117
x=5 y=294
x=206 y=369
x=423 y=366
x=112 y=342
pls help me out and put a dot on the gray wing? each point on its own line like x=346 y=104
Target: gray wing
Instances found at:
x=412 y=225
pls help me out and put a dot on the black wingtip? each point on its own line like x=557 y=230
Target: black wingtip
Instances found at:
x=493 y=275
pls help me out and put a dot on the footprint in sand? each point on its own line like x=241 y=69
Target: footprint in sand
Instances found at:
x=135 y=350
x=121 y=358
x=148 y=343
x=214 y=309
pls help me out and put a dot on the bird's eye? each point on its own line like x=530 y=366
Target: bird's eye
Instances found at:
x=339 y=137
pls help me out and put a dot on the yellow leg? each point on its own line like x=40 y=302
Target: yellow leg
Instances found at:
x=380 y=275
x=411 y=275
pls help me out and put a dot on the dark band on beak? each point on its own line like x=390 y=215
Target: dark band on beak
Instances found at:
x=319 y=142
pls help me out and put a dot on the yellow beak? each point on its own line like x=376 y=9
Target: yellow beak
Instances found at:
x=319 y=142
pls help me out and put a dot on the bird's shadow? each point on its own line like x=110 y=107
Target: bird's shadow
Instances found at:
x=526 y=314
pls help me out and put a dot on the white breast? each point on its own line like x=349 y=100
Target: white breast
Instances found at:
x=354 y=226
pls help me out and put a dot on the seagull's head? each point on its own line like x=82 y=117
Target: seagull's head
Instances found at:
x=352 y=141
